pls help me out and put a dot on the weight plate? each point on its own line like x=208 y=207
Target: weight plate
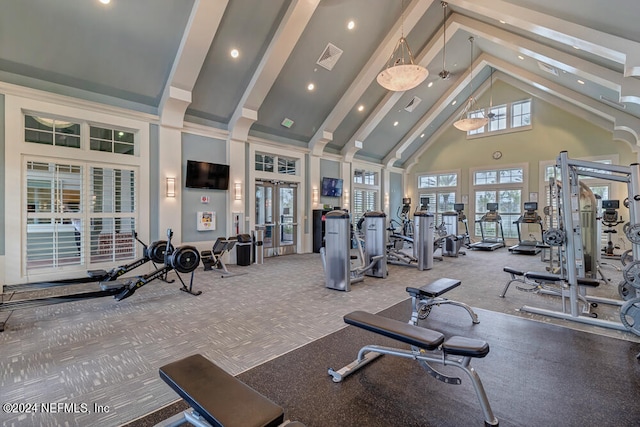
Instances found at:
x=626 y=202
x=631 y=273
x=554 y=237
x=626 y=257
x=156 y=250
x=633 y=233
x=630 y=315
x=626 y=290
x=185 y=259
x=626 y=227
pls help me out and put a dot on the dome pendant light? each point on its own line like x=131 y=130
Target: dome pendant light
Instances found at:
x=465 y=123
x=401 y=72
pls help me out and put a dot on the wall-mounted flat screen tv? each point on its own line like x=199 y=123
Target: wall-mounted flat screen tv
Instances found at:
x=331 y=187
x=213 y=176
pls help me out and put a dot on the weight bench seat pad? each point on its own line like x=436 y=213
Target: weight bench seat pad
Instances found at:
x=462 y=346
x=417 y=336
x=220 y=398
x=513 y=271
x=535 y=275
x=435 y=289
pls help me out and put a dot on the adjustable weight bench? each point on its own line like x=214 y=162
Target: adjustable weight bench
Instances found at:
x=425 y=297
x=217 y=398
x=427 y=346
x=213 y=259
x=537 y=280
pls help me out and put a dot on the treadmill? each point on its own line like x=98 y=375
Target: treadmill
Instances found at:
x=530 y=216
x=490 y=243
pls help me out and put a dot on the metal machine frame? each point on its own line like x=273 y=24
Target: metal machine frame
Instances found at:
x=574 y=266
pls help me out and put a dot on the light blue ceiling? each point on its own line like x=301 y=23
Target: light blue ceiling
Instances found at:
x=123 y=55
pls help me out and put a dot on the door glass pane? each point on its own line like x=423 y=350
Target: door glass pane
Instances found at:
x=287 y=216
x=264 y=212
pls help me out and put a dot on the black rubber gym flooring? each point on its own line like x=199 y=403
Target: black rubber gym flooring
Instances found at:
x=536 y=374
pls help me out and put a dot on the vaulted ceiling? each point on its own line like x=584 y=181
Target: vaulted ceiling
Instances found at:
x=172 y=58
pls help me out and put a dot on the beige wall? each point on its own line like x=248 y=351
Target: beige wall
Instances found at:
x=554 y=130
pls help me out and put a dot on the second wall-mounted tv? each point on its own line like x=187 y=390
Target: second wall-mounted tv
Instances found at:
x=212 y=176
x=331 y=187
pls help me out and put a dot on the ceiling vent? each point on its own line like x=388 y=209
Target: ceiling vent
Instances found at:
x=548 y=68
x=329 y=57
x=413 y=104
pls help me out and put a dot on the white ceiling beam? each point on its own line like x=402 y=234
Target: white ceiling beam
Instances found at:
x=196 y=40
x=608 y=46
x=291 y=28
x=412 y=15
x=628 y=88
x=622 y=125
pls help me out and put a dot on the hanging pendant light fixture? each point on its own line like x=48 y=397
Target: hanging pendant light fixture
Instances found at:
x=465 y=123
x=401 y=72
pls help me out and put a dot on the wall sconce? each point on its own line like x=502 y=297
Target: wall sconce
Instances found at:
x=316 y=194
x=238 y=190
x=171 y=187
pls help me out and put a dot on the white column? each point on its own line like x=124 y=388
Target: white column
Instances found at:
x=170 y=166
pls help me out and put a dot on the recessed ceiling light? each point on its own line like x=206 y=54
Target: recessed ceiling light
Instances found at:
x=502 y=21
x=360 y=107
x=430 y=84
x=395 y=123
x=520 y=57
x=422 y=135
x=105 y=1
x=576 y=47
x=454 y=102
x=234 y=53
x=311 y=86
x=351 y=25
x=581 y=82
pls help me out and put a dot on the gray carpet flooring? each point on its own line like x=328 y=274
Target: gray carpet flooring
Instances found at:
x=101 y=357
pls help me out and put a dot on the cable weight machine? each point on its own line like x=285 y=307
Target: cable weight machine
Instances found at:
x=570 y=235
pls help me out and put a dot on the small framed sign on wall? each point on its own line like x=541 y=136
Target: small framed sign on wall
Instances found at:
x=206 y=221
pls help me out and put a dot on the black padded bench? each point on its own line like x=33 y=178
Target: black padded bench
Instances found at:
x=424 y=338
x=428 y=346
x=425 y=297
x=218 y=397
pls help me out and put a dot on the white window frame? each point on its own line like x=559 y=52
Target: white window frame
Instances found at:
x=437 y=190
x=19 y=104
x=369 y=191
x=259 y=147
x=522 y=186
x=509 y=128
